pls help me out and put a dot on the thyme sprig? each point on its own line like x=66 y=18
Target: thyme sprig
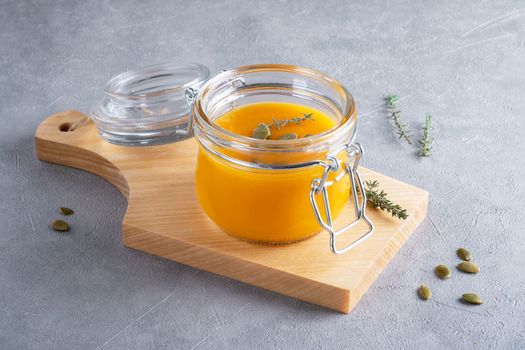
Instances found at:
x=281 y=123
x=262 y=131
x=426 y=140
x=395 y=115
x=379 y=199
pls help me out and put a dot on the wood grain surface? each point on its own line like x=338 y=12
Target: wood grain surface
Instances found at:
x=164 y=218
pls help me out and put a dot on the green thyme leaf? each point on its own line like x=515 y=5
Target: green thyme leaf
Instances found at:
x=395 y=115
x=426 y=141
x=379 y=199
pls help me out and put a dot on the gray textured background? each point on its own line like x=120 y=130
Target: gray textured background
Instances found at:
x=462 y=61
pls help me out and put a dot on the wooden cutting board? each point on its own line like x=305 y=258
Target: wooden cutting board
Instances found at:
x=164 y=218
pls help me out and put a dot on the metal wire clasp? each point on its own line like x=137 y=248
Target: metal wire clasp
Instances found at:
x=319 y=186
x=191 y=95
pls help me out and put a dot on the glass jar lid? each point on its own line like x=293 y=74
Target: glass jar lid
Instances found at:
x=148 y=106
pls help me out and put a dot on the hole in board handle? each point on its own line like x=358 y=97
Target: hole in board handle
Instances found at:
x=65 y=127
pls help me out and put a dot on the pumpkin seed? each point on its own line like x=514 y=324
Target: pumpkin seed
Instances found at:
x=60 y=226
x=472 y=298
x=65 y=211
x=424 y=292
x=308 y=135
x=464 y=254
x=290 y=136
x=442 y=271
x=262 y=131
x=468 y=267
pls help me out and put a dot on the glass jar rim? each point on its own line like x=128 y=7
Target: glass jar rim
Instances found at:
x=348 y=115
x=200 y=73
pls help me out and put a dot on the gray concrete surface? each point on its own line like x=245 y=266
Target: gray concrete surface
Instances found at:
x=463 y=61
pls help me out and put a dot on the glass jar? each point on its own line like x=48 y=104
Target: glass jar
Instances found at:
x=263 y=191
x=278 y=191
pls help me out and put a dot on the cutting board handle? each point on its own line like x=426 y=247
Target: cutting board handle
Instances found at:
x=66 y=138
